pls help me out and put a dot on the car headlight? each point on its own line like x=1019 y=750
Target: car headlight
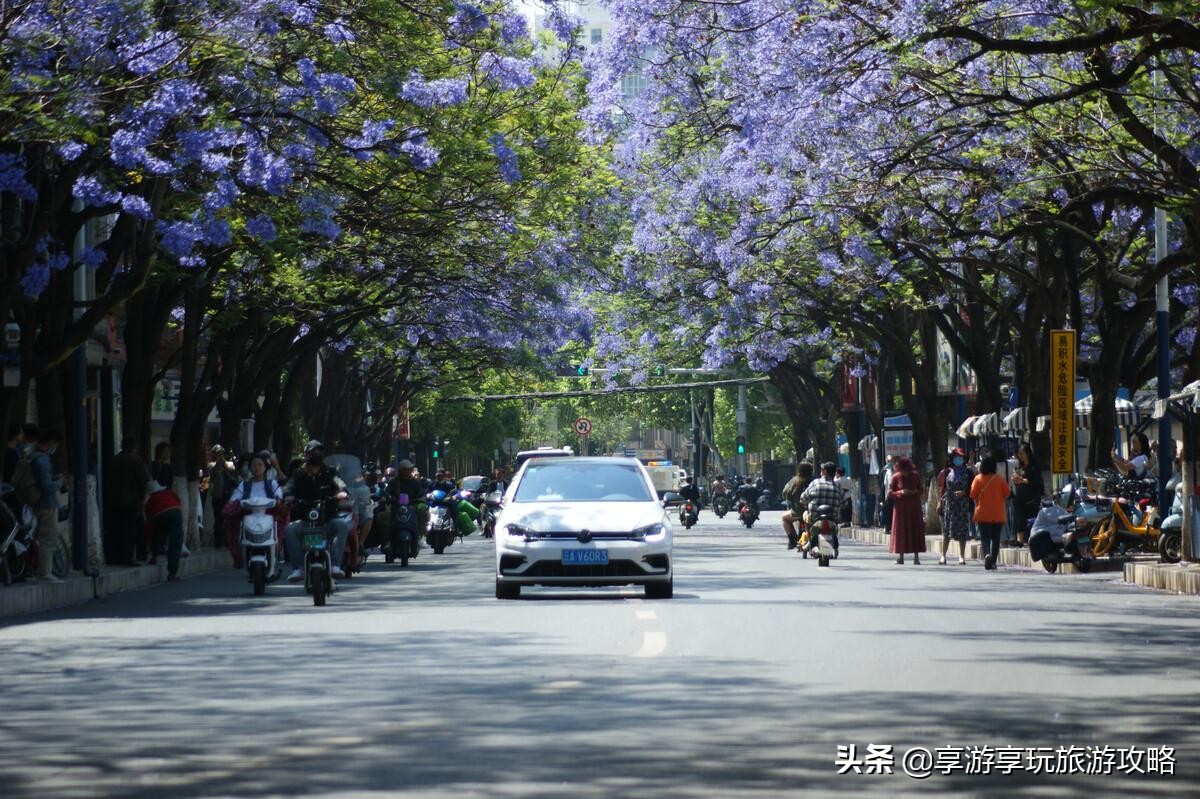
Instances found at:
x=520 y=531
x=651 y=531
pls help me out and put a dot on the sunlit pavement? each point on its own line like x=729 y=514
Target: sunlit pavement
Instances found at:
x=417 y=681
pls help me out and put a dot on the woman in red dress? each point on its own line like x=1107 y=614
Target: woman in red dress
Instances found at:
x=908 y=517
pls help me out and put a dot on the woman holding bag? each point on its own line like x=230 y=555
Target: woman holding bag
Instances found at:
x=990 y=493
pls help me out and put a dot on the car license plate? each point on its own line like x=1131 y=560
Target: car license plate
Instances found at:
x=315 y=541
x=585 y=557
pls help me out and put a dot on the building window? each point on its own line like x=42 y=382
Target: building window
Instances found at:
x=597 y=34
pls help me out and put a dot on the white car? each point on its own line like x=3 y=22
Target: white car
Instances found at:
x=583 y=522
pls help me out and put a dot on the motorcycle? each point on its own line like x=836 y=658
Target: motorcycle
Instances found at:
x=353 y=556
x=821 y=535
x=688 y=514
x=442 y=528
x=404 y=539
x=720 y=505
x=259 y=542
x=18 y=541
x=489 y=512
x=316 y=540
x=1133 y=523
x=748 y=513
x=1171 y=538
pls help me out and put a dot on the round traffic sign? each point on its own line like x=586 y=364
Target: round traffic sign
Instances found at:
x=583 y=425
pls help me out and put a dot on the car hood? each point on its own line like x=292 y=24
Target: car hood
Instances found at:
x=599 y=517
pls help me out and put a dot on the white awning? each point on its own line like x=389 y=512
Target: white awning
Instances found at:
x=868 y=443
x=987 y=425
x=1189 y=394
x=966 y=429
x=1043 y=423
x=1128 y=414
x=1016 y=421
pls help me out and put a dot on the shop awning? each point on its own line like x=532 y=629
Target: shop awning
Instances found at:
x=1016 y=421
x=987 y=425
x=1128 y=414
x=967 y=428
x=1189 y=394
x=868 y=443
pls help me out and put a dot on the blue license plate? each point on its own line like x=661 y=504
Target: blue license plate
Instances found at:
x=585 y=557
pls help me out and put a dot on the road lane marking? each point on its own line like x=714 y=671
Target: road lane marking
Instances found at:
x=646 y=615
x=653 y=645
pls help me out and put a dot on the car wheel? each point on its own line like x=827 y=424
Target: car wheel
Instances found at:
x=660 y=590
x=507 y=590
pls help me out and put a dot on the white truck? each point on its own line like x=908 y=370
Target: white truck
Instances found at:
x=665 y=478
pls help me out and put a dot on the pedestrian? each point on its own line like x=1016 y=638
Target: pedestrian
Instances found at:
x=46 y=507
x=908 y=517
x=164 y=526
x=220 y=479
x=954 y=504
x=125 y=483
x=1027 y=490
x=885 y=510
x=990 y=493
x=847 y=486
x=160 y=467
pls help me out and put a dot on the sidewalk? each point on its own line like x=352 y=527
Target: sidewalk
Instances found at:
x=1009 y=556
x=1178 y=578
x=22 y=598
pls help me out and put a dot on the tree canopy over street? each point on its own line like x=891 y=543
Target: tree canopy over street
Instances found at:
x=310 y=209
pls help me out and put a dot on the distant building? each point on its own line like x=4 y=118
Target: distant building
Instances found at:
x=597 y=25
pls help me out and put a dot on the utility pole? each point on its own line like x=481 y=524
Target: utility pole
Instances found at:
x=741 y=427
x=78 y=416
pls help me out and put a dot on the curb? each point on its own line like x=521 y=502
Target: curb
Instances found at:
x=1009 y=556
x=25 y=598
x=1178 y=578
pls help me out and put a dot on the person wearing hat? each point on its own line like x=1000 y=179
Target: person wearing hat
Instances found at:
x=954 y=503
x=220 y=479
x=315 y=482
x=164 y=526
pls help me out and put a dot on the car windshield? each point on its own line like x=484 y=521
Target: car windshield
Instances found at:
x=582 y=482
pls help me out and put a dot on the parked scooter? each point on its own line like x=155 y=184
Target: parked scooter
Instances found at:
x=18 y=541
x=1170 y=541
x=688 y=514
x=316 y=540
x=1058 y=536
x=820 y=537
x=259 y=542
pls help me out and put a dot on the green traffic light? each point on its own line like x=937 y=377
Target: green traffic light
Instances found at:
x=581 y=371
x=741 y=449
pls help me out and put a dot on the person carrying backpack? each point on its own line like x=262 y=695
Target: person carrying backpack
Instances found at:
x=46 y=504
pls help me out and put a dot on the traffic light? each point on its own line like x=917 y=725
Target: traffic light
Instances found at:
x=741 y=445
x=437 y=450
x=573 y=370
x=659 y=371
x=581 y=371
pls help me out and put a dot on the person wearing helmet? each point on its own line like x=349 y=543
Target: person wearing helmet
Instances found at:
x=407 y=489
x=314 y=482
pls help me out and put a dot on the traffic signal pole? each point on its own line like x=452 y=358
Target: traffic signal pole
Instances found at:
x=741 y=427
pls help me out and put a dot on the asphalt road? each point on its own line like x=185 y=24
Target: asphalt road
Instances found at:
x=418 y=682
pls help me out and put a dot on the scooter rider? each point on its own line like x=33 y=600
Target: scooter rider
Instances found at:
x=689 y=491
x=791 y=495
x=823 y=491
x=406 y=483
x=316 y=482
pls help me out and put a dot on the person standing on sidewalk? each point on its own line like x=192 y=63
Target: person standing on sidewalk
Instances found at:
x=1027 y=490
x=124 y=495
x=220 y=479
x=908 y=517
x=990 y=493
x=160 y=467
x=954 y=504
x=46 y=507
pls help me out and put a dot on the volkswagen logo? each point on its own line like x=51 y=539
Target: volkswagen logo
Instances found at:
x=584 y=536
